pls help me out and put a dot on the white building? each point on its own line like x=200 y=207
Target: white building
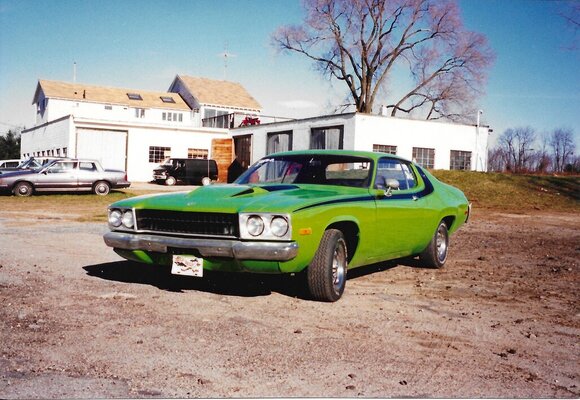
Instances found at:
x=134 y=130
x=438 y=145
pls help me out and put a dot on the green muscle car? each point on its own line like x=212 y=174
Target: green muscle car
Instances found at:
x=319 y=210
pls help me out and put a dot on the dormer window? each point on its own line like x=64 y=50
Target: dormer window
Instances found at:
x=167 y=99
x=134 y=96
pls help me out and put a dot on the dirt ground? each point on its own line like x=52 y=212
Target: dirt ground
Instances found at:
x=502 y=319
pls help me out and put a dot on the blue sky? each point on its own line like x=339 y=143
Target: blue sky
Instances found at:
x=142 y=44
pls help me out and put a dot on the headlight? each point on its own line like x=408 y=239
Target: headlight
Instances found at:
x=128 y=219
x=279 y=226
x=115 y=218
x=265 y=226
x=255 y=225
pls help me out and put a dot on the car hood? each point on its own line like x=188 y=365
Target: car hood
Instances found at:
x=235 y=198
x=7 y=174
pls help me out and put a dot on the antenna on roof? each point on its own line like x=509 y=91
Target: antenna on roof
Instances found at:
x=225 y=55
x=74 y=71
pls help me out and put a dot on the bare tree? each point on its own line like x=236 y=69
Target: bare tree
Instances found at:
x=517 y=145
x=361 y=42
x=562 y=143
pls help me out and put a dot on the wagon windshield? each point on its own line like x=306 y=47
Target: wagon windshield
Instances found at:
x=310 y=169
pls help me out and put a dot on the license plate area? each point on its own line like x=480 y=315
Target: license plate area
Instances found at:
x=187 y=266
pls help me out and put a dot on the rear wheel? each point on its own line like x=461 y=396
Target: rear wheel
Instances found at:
x=101 y=188
x=435 y=255
x=326 y=274
x=170 y=181
x=23 y=189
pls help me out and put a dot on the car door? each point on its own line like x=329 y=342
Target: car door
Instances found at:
x=87 y=175
x=399 y=210
x=60 y=175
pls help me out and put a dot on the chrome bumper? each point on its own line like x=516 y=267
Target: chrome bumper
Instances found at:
x=268 y=251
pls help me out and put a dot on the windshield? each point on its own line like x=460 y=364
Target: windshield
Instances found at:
x=31 y=163
x=316 y=169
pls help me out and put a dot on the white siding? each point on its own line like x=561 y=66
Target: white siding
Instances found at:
x=51 y=138
x=362 y=131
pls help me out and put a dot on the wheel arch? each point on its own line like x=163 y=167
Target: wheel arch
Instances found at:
x=22 y=181
x=350 y=231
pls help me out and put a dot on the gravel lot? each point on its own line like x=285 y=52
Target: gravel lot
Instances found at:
x=502 y=319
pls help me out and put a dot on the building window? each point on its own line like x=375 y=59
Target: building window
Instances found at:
x=134 y=96
x=197 y=153
x=327 y=138
x=158 y=154
x=384 y=148
x=424 y=157
x=167 y=116
x=460 y=160
x=167 y=99
x=279 y=141
x=140 y=113
x=108 y=107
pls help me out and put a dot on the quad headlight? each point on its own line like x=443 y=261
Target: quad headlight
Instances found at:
x=264 y=226
x=119 y=218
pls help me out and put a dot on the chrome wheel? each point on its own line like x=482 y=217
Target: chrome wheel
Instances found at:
x=435 y=254
x=339 y=266
x=326 y=274
x=442 y=242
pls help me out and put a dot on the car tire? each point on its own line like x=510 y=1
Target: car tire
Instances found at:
x=326 y=274
x=435 y=255
x=23 y=189
x=101 y=188
x=170 y=181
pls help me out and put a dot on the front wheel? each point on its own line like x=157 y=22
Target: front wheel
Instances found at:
x=23 y=189
x=326 y=274
x=170 y=181
x=435 y=255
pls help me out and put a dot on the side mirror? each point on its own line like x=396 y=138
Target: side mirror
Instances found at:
x=391 y=184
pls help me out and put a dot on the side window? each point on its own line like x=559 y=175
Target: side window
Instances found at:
x=393 y=169
x=87 y=166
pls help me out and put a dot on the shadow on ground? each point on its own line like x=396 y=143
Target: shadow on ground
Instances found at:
x=225 y=283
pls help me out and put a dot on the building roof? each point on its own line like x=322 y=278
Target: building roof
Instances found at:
x=107 y=95
x=219 y=93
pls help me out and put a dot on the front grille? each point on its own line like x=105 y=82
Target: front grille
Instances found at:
x=188 y=223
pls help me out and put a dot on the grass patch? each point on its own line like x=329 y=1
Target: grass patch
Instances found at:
x=514 y=193
x=491 y=191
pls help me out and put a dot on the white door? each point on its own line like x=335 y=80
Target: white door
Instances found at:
x=108 y=147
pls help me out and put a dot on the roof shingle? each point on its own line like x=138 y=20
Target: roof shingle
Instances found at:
x=108 y=95
x=219 y=93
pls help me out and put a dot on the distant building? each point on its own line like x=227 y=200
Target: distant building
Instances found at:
x=135 y=130
x=432 y=144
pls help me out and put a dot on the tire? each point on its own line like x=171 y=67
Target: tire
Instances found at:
x=435 y=255
x=205 y=181
x=170 y=181
x=326 y=274
x=101 y=188
x=23 y=189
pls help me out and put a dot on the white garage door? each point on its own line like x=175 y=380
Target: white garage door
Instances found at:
x=109 y=147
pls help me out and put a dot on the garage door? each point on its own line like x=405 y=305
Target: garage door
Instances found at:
x=109 y=147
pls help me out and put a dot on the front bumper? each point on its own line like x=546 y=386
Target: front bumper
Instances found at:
x=208 y=248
